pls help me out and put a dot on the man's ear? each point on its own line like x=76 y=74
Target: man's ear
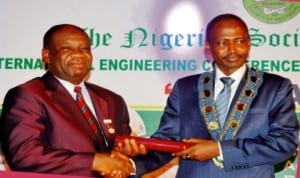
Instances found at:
x=206 y=46
x=207 y=50
x=249 y=43
x=46 y=57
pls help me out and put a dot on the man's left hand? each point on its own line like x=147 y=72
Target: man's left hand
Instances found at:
x=130 y=148
x=202 y=150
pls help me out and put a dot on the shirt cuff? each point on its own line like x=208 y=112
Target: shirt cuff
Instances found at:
x=133 y=164
x=220 y=151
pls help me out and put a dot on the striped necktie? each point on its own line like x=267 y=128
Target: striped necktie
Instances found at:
x=86 y=111
x=223 y=97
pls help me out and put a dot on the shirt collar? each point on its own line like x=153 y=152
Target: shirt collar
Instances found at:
x=70 y=87
x=237 y=75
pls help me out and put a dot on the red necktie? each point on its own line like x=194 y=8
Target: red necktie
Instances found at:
x=86 y=111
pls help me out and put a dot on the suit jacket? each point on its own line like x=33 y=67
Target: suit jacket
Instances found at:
x=267 y=136
x=43 y=130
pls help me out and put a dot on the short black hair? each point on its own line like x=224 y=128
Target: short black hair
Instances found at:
x=224 y=17
x=49 y=34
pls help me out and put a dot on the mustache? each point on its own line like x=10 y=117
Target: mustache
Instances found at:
x=232 y=55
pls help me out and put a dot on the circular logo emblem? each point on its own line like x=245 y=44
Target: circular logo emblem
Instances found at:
x=272 y=11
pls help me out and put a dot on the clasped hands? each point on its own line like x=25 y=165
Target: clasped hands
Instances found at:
x=118 y=164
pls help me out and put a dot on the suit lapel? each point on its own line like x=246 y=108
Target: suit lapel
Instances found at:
x=65 y=106
x=100 y=104
x=104 y=112
x=238 y=92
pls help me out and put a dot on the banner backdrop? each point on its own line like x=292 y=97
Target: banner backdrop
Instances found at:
x=141 y=47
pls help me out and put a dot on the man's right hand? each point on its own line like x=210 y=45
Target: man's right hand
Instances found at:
x=113 y=165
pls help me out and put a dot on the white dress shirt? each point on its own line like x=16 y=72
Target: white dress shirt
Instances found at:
x=70 y=88
x=237 y=76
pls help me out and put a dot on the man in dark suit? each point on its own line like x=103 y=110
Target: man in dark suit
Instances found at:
x=44 y=130
x=259 y=130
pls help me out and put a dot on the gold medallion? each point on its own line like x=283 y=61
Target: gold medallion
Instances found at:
x=111 y=130
x=213 y=125
x=108 y=123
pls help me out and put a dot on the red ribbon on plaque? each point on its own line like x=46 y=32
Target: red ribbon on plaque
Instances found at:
x=156 y=144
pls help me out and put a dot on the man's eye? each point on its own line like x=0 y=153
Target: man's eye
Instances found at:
x=240 y=41
x=86 y=49
x=222 y=43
